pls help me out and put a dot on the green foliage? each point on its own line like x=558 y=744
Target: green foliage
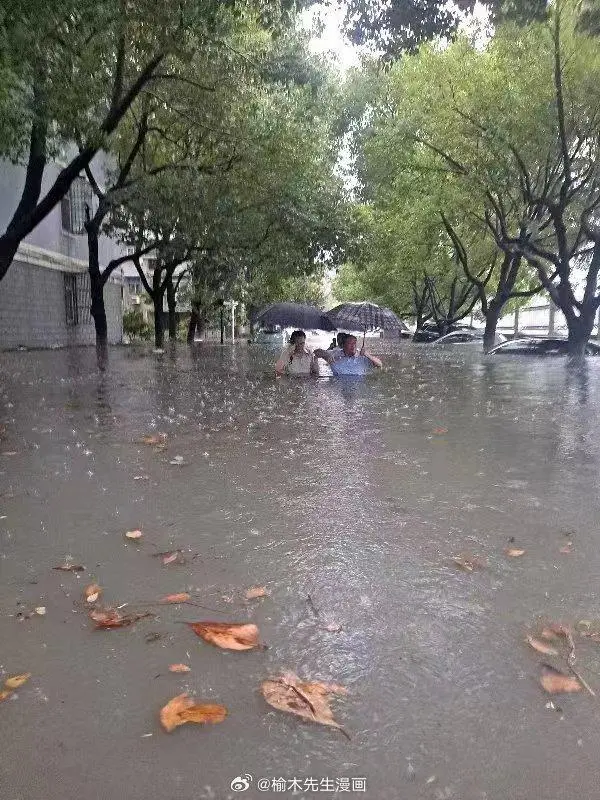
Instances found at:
x=135 y=326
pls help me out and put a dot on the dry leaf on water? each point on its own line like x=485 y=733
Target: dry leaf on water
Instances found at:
x=555 y=682
x=171 y=557
x=308 y=700
x=541 y=647
x=69 y=567
x=92 y=592
x=154 y=438
x=256 y=591
x=16 y=681
x=182 y=597
x=567 y=549
x=440 y=431
x=229 y=636
x=514 y=552
x=179 y=668
x=554 y=631
x=4 y=693
x=133 y=535
x=111 y=618
x=182 y=709
x=468 y=562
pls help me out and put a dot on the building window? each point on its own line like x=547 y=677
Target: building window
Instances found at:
x=71 y=308
x=73 y=205
x=84 y=299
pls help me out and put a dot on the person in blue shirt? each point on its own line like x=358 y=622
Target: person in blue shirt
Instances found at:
x=348 y=362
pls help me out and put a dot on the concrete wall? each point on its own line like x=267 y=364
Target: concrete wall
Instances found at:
x=33 y=309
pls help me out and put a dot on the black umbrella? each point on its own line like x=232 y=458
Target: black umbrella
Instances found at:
x=295 y=315
x=364 y=317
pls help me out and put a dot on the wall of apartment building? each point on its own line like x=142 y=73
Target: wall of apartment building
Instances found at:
x=44 y=297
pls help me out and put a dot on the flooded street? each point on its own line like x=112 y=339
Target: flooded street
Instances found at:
x=354 y=493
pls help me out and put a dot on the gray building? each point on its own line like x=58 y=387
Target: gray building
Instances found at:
x=45 y=295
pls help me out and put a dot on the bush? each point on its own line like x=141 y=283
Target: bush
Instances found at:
x=134 y=325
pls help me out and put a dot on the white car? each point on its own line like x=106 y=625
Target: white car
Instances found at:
x=467 y=336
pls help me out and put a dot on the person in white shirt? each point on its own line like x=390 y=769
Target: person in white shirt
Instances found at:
x=297 y=359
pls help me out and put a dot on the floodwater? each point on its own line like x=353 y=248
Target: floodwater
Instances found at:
x=357 y=493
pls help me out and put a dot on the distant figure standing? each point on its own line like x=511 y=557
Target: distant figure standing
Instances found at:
x=297 y=359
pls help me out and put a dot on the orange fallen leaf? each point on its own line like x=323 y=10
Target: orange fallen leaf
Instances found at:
x=229 y=636
x=514 y=552
x=133 y=534
x=182 y=597
x=255 y=592
x=111 y=618
x=468 y=562
x=154 y=438
x=92 y=592
x=309 y=700
x=179 y=668
x=69 y=567
x=4 y=693
x=554 y=630
x=182 y=709
x=555 y=682
x=538 y=645
x=15 y=681
x=171 y=557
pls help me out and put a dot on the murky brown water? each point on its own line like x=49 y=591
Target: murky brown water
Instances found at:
x=348 y=491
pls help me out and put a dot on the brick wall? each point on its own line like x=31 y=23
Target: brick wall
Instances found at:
x=33 y=309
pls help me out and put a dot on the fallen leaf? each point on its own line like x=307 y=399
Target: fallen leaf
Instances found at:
x=179 y=668
x=567 y=549
x=40 y=611
x=255 y=592
x=538 y=645
x=307 y=700
x=4 y=693
x=154 y=438
x=171 y=557
x=468 y=562
x=514 y=552
x=229 y=636
x=554 y=630
x=440 y=431
x=332 y=627
x=92 y=592
x=15 y=681
x=182 y=709
x=182 y=597
x=69 y=567
x=112 y=618
x=133 y=534
x=555 y=682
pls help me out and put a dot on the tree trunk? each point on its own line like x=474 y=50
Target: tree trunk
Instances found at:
x=580 y=330
x=491 y=322
x=159 y=327
x=172 y=305
x=97 y=309
x=192 y=325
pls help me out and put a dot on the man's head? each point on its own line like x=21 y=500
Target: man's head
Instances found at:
x=349 y=345
x=298 y=339
x=341 y=338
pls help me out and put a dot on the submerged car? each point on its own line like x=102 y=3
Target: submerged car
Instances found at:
x=540 y=346
x=430 y=333
x=274 y=336
x=461 y=337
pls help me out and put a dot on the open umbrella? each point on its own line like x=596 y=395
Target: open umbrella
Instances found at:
x=364 y=317
x=295 y=315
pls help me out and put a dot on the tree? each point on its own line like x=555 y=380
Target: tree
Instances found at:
x=70 y=71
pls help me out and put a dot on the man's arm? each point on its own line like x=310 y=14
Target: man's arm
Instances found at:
x=373 y=359
x=324 y=354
